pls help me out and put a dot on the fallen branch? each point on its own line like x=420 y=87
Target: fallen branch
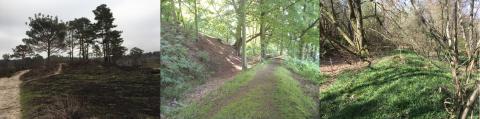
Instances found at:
x=470 y=101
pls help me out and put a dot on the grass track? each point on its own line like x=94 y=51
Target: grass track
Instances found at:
x=265 y=91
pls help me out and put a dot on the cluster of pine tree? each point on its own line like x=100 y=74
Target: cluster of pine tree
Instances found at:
x=49 y=34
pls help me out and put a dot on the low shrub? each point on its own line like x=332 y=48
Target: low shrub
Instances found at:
x=178 y=71
x=203 y=56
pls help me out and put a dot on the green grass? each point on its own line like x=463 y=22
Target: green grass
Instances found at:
x=398 y=86
x=287 y=100
x=289 y=97
x=200 y=109
x=250 y=106
x=309 y=70
x=93 y=91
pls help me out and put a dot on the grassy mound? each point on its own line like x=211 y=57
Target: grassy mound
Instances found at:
x=90 y=91
x=289 y=97
x=398 y=86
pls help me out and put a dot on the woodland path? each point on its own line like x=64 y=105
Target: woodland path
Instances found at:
x=263 y=80
x=10 y=107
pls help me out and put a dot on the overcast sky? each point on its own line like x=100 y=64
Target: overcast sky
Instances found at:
x=138 y=19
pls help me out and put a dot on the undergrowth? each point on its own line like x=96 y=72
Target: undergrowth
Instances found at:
x=177 y=69
x=307 y=69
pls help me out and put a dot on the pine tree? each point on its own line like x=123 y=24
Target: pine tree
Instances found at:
x=46 y=34
x=104 y=24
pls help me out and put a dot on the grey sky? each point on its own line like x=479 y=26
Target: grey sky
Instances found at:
x=138 y=19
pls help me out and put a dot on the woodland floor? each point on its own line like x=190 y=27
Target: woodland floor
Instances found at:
x=336 y=67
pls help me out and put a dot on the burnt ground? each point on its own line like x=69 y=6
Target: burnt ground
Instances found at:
x=92 y=91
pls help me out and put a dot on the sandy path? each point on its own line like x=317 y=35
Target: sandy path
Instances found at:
x=10 y=96
x=58 y=71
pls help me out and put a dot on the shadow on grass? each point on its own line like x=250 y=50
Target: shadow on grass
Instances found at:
x=394 y=90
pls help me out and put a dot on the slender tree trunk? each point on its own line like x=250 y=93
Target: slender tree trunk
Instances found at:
x=80 y=48
x=86 y=51
x=48 y=51
x=471 y=45
x=238 y=35
x=105 y=52
x=244 y=34
x=454 y=60
x=196 y=21
x=319 y=33
x=263 y=43
x=180 y=17
x=72 y=48
x=282 y=45
x=300 y=49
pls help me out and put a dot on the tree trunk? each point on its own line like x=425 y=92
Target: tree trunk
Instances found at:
x=263 y=43
x=71 y=50
x=319 y=32
x=180 y=17
x=238 y=36
x=196 y=21
x=244 y=33
x=471 y=48
x=48 y=51
x=357 y=25
x=281 y=46
x=454 y=60
x=300 y=49
x=86 y=52
x=105 y=52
